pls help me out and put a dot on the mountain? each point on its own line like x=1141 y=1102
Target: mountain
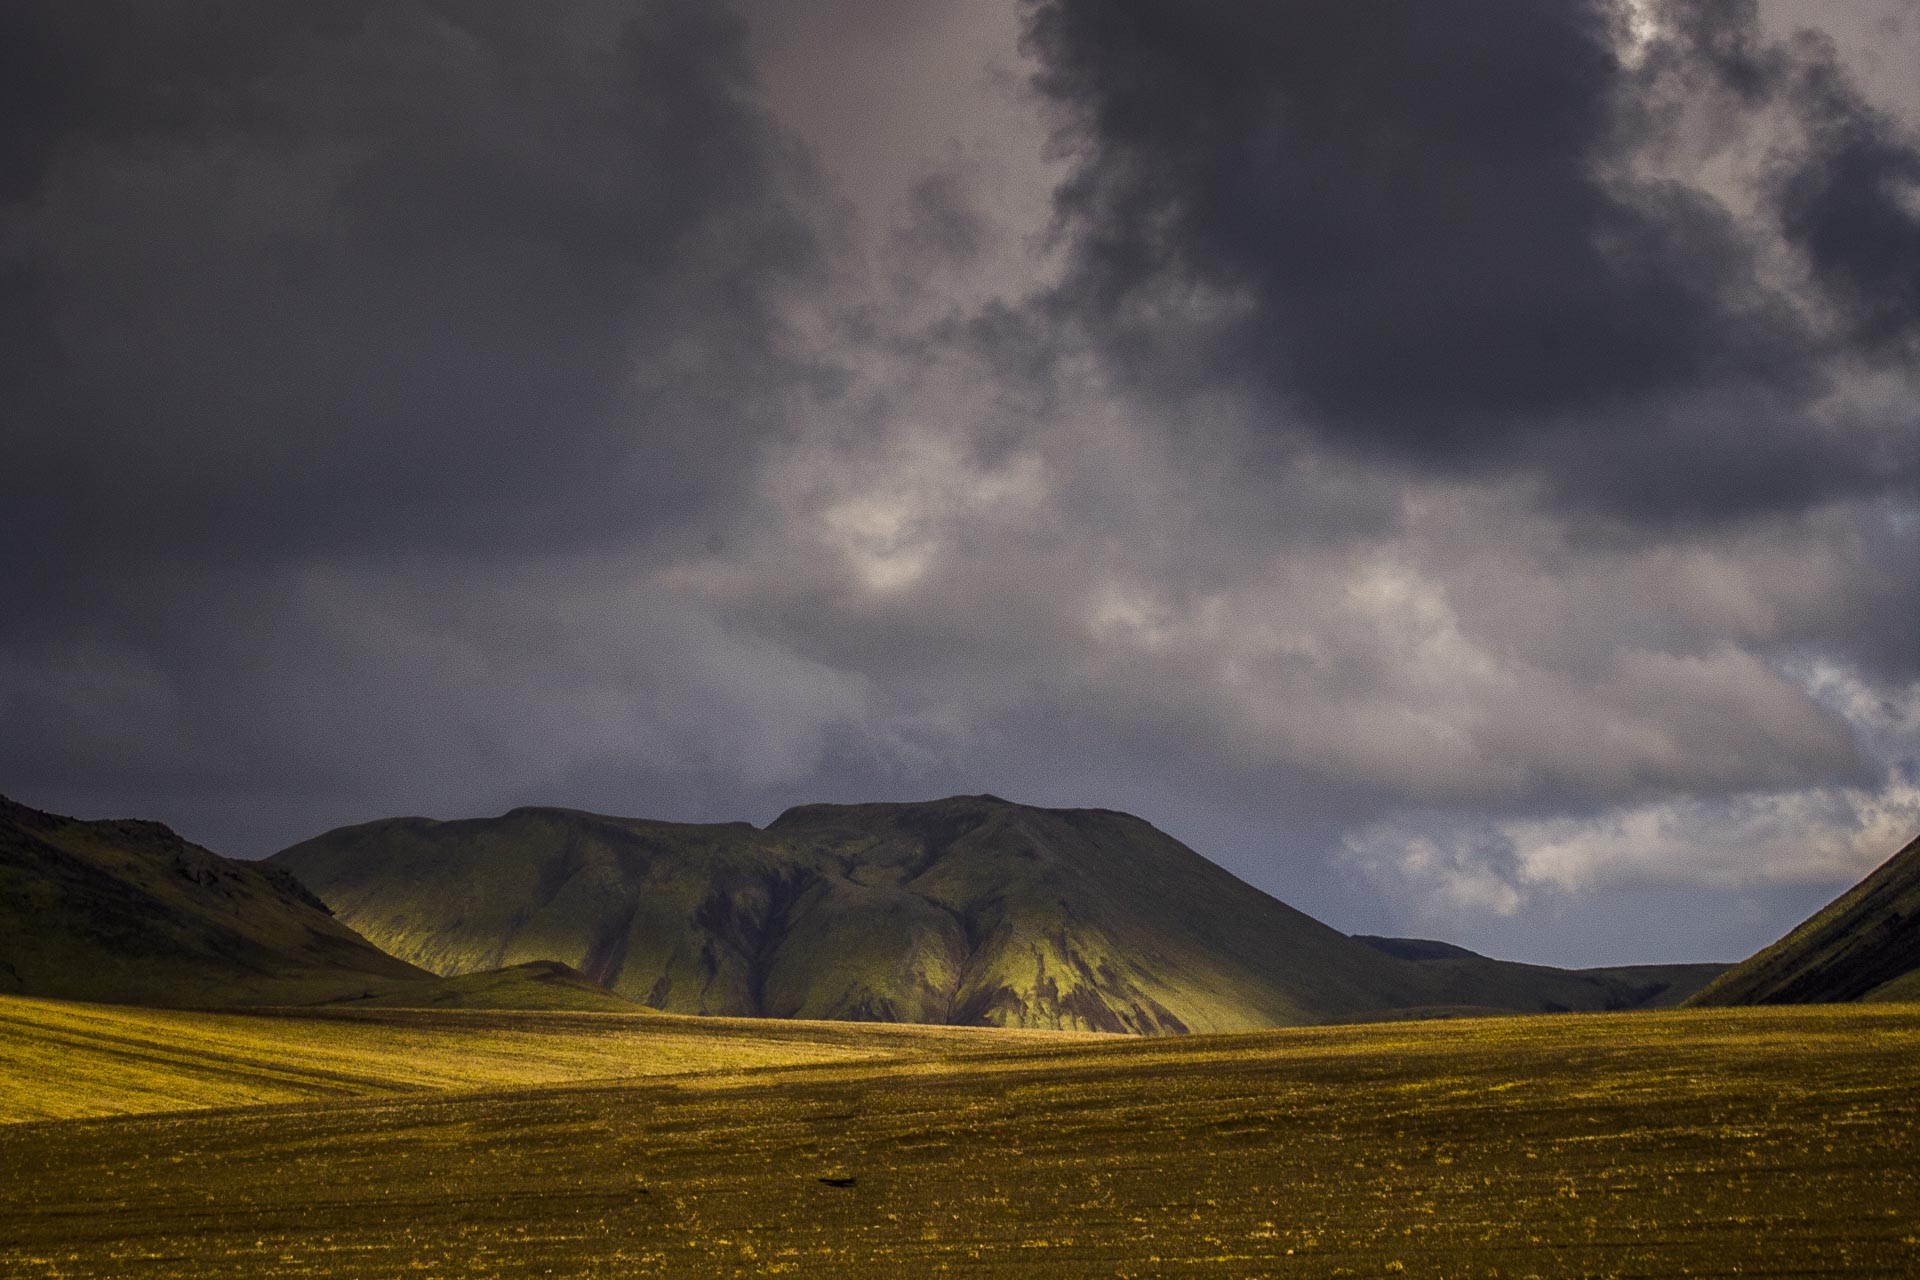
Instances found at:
x=127 y=912
x=970 y=910
x=1864 y=945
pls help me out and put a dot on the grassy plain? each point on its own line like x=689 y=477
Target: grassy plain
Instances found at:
x=61 y=1060
x=1772 y=1141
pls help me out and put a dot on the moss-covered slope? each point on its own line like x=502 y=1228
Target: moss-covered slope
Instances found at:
x=970 y=910
x=128 y=912
x=1865 y=945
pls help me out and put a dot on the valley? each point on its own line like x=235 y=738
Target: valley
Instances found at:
x=518 y=1050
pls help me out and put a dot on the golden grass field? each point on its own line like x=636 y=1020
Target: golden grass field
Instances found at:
x=60 y=1060
x=1780 y=1141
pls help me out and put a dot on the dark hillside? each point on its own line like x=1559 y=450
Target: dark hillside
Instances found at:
x=128 y=912
x=1865 y=945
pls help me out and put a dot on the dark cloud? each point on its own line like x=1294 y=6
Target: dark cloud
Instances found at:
x=404 y=275
x=1412 y=452
x=1846 y=193
x=1853 y=205
x=300 y=296
x=940 y=222
x=1419 y=228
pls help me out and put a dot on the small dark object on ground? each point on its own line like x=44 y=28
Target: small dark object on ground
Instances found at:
x=835 y=1182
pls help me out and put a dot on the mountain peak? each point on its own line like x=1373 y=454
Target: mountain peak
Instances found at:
x=802 y=814
x=970 y=909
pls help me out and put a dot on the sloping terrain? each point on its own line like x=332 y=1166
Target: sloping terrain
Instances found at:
x=129 y=912
x=970 y=910
x=1865 y=945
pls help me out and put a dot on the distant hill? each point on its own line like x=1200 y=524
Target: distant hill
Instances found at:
x=127 y=912
x=1865 y=945
x=970 y=910
x=1632 y=986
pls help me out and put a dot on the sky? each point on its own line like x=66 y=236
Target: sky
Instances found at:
x=1453 y=465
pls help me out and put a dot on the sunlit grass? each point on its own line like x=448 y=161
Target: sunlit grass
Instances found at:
x=62 y=1060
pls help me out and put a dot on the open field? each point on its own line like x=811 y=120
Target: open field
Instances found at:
x=60 y=1060
x=1718 y=1142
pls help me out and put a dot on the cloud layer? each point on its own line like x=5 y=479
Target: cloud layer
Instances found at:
x=1453 y=468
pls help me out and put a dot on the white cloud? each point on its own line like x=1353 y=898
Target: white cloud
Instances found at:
x=895 y=515
x=1826 y=834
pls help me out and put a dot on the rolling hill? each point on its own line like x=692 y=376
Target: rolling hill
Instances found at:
x=127 y=912
x=1865 y=945
x=969 y=910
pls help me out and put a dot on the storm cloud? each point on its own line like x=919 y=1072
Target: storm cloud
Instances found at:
x=1452 y=464
x=1443 y=233
x=395 y=277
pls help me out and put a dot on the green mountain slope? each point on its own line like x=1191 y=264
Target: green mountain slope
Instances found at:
x=128 y=912
x=970 y=910
x=1865 y=945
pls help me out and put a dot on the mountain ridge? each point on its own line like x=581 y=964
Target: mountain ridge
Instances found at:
x=970 y=909
x=126 y=911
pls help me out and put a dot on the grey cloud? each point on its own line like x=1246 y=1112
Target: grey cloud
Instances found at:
x=437 y=408
x=289 y=292
x=940 y=222
x=1846 y=193
x=402 y=277
x=1148 y=607
x=1853 y=205
x=336 y=692
x=1416 y=230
